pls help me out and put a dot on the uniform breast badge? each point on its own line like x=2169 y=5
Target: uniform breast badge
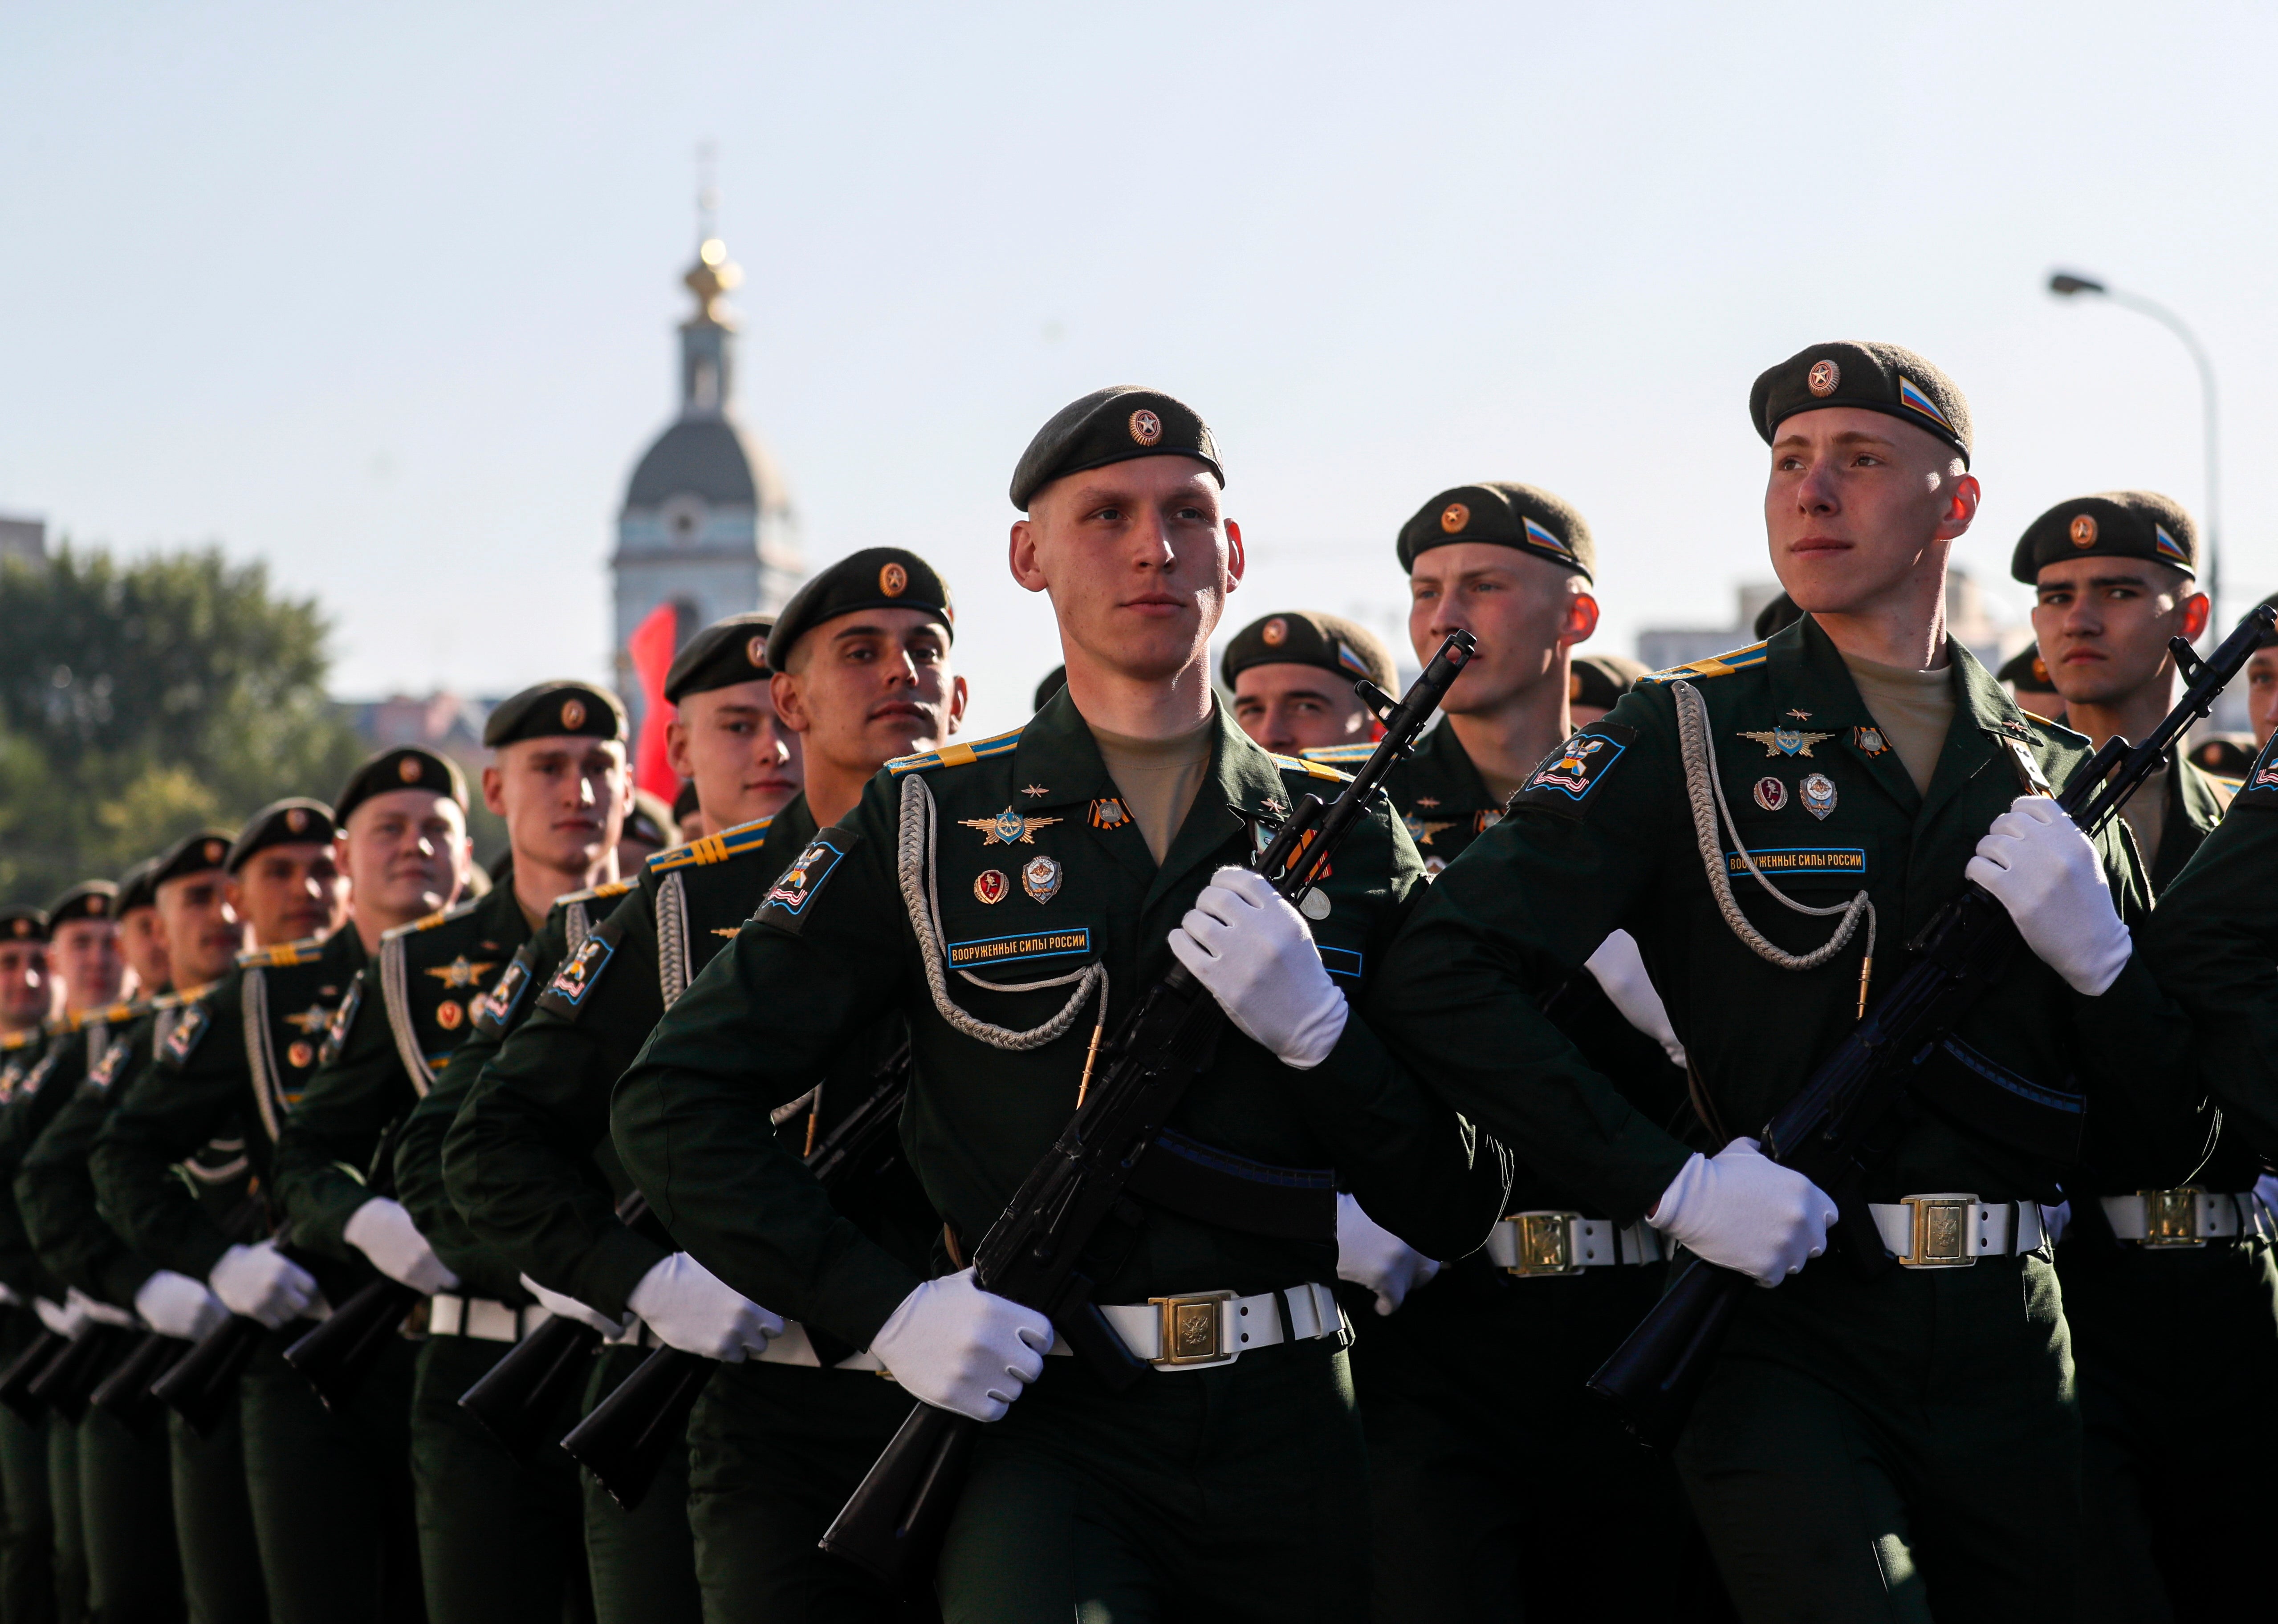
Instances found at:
x=1037 y=790
x=1870 y=741
x=1818 y=794
x=449 y=1013
x=1007 y=827
x=1041 y=878
x=1771 y=794
x=461 y=971
x=1421 y=831
x=1787 y=741
x=990 y=886
x=1109 y=814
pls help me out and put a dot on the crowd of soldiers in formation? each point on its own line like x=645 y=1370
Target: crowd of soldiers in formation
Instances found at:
x=1501 y=1068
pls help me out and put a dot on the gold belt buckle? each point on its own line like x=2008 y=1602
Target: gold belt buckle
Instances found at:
x=1941 y=1232
x=2171 y=1217
x=1546 y=1243
x=1194 y=1329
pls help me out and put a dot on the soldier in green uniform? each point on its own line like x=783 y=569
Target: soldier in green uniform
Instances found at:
x=2147 y=1270
x=329 y=1494
x=1891 y=1433
x=28 y=1527
x=1292 y=677
x=141 y=937
x=1486 y=1370
x=783 y=1434
x=1010 y=899
x=498 y=1538
x=2027 y=673
x=1596 y=685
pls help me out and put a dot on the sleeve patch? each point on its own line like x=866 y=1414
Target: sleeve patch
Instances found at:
x=496 y=1006
x=1568 y=774
x=107 y=1069
x=580 y=974
x=183 y=1040
x=786 y=903
x=2261 y=791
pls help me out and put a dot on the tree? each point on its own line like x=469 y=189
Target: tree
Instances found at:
x=140 y=701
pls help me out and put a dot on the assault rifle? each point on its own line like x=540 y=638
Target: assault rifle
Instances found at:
x=340 y=1350
x=630 y=1434
x=1655 y=1375
x=16 y=1380
x=199 y=1385
x=126 y=1392
x=1034 y=1254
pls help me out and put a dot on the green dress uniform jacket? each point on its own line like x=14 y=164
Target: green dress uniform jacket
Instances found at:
x=1925 y=1390
x=1033 y=896
x=27 y=1527
x=54 y=1192
x=1441 y=797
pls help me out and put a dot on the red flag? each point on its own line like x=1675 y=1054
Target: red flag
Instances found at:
x=652 y=646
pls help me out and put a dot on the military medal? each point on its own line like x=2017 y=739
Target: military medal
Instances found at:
x=1316 y=905
x=1787 y=741
x=1771 y=794
x=1007 y=827
x=989 y=886
x=449 y=1013
x=1870 y=741
x=1041 y=878
x=1818 y=794
x=1109 y=814
x=300 y=1055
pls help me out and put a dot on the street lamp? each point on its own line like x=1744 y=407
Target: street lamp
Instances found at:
x=2070 y=284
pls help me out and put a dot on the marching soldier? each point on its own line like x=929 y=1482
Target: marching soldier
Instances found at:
x=1010 y=899
x=863 y=674
x=498 y=1538
x=27 y=1537
x=1292 y=677
x=1860 y=1419
x=141 y=938
x=2144 y=1271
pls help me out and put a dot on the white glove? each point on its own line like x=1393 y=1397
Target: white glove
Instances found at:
x=563 y=1307
x=2265 y=1190
x=1372 y=1255
x=8 y=1295
x=958 y=1348
x=2044 y=870
x=63 y=1321
x=384 y=1233
x=94 y=1309
x=176 y=1305
x=1254 y=955
x=2054 y=1221
x=694 y=1311
x=1620 y=969
x=1747 y=1212
x=262 y=1283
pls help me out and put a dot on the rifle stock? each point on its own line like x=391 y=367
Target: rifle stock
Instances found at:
x=16 y=1381
x=64 y=1381
x=202 y=1382
x=339 y=1351
x=126 y=1392
x=893 y=1524
x=1654 y=1376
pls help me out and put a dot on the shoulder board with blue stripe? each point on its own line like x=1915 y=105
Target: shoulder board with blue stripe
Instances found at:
x=19 y=1039
x=109 y=1015
x=302 y=952
x=189 y=994
x=956 y=755
x=1310 y=769
x=57 y=1025
x=597 y=894
x=712 y=847
x=1339 y=756
x=442 y=916
x=1716 y=664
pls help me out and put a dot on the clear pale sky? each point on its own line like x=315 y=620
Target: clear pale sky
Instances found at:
x=386 y=296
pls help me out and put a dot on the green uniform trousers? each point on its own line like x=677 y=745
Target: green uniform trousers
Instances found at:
x=2178 y=1356
x=1901 y=1448
x=643 y=1561
x=213 y=1520
x=127 y=1509
x=1236 y=1492
x=1500 y=1489
x=28 y=1527
x=69 y=1530
x=499 y=1539
x=773 y=1452
x=331 y=1494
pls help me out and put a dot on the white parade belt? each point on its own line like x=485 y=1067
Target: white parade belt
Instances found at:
x=1204 y=1330
x=450 y=1314
x=1953 y=1230
x=2189 y=1217
x=1533 y=1244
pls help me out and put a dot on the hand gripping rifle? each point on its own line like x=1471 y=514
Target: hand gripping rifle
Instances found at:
x=199 y=1385
x=626 y=1440
x=337 y=1353
x=1034 y=1253
x=1655 y=1375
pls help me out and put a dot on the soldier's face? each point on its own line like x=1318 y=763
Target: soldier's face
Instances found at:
x=203 y=933
x=289 y=892
x=26 y=991
x=2103 y=626
x=406 y=855
x=744 y=758
x=564 y=799
x=2262 y=695
x=1138 y=562
x=1862 y=510
x=1522 y=609
x=84 y=954
x=1288 y=708
x=867 y=686
x=143 y=941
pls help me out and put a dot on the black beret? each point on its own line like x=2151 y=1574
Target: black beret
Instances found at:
x=1054 y=680
x=1115 y=425
x=555 y=709
x=89 y=899
x=875 y=578
x=650 y=821
x=1874 y=377
x=136 y=888
x=2026 y=669
x=1507 y=514
x=1777 y=617
x=2115 y=524
x=724 y=653
x=22 y=922
x=2271 y=639
x=193 y=854
x=2226 y=755
x=1601 y=679
x=1300 y=637
x=405 y=767
x=293 y=821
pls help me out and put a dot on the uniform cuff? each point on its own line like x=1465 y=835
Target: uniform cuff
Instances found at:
x=122 y=1278
x=606 y=1275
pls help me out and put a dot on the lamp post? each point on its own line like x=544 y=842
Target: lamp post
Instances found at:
x=2070 y=284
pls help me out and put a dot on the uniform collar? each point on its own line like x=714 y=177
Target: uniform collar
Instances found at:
x=1441 y=759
